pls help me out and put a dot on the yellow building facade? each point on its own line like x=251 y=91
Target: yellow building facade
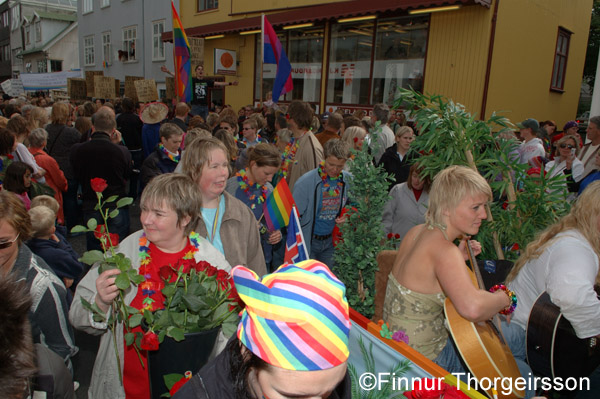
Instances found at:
x=523 y=57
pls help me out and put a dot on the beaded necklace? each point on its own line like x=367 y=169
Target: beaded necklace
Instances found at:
x=245 y=185
x=174 y=158
x=332 y=192
x=288 y=156
x=150 y=288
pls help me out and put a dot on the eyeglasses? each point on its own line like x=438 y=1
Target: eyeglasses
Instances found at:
x=6 y=244
x=569 y=146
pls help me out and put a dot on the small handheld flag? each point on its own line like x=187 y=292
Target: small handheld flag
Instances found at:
x=295 y=249
x=278 y=206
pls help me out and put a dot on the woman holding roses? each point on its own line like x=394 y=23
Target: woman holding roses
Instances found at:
x=170 y=208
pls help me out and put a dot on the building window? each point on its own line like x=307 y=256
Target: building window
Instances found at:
x=42 y=66
x=5 y=19
x=55 y=65
x=400 y=46
x=16 y=17
x=129 y=39
x=104 y=3
x=88 y=51
x=560 y=60
x=106 y=50
x=17 y=61
x=158 y=47
x=27 y=34
x=350 y=63
x=38 y=31
x=5 y=53
x=87 y=6
x=204 y=5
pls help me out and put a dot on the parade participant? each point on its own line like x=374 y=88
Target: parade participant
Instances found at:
x=532 y=146
x=170 y=209
x=226 y=222
x=166 y=155
x=565 y=162
x=252 y=186
x=429 y=267
x=562 y=261
x=292 y=340
x=320 y=196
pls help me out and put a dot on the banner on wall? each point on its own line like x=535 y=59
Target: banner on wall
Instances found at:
x=47 y=81
x=225 y=62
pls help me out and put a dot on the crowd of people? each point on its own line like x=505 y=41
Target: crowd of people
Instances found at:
x=197 y=171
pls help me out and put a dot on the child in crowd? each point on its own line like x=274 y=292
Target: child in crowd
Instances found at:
x=54 y=248
x=53 y=204
x=18 y=180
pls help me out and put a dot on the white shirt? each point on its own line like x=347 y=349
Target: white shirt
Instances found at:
x=567 y=271
x=587 y=155
x=530 y=149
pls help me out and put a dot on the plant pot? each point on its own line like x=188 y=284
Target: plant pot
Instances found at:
x=178 y=357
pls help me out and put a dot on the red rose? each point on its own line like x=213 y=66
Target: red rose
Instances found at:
x=106 y=240
x=397 y=236
x=390 y=236
x=201 y=266
x=211 y=271
x=222 y=279
x=149 y=341
x=98 y=184
x=165 y=272
x=355 y=139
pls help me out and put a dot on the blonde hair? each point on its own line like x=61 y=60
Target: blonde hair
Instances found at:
x=450 y=187
x=47 y=201
x=353 y=132
x=583 y=217
x=194 y=134
x=60 y=114
x=42 y=220
x=402 y=130
x=197 y=156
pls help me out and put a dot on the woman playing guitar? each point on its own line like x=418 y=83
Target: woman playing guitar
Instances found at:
x=429 y=267
x=563 y=262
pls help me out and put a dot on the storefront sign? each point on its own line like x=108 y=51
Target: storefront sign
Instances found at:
x=225 y=62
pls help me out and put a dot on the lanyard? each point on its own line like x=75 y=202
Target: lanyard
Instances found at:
x=211 y=237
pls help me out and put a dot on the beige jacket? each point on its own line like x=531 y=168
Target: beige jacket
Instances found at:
x=239 y=235
x=105 y=376
x=308 y=156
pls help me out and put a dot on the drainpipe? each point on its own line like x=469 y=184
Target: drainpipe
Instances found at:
x=489 y=61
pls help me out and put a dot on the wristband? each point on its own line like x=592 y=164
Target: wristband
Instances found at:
x=511 y=296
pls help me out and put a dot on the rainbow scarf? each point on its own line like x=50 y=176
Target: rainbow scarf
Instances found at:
x=174 y=158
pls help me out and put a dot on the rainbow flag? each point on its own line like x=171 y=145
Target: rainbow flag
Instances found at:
x=278 y=206
x=182 y=60
x=274 y=53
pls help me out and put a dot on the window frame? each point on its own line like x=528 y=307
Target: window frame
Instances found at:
x=5 y=22
x=38 y=30
x=107 y=48
x=16 y=17
x=559 y=67
x=27 y=34
x=104 y=3
x=87 y=6
x=89 y=51
x=157 y=39
x=205 y=5
x=125 y=42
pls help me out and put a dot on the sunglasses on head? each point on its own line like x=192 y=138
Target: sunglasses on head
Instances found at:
x=569 y=146
x=6 y=244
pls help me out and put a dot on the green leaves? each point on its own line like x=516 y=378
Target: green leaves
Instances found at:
x=78 y=229
x=91 y=257
x=92 y=224
x=124 y=202
x=122 y=281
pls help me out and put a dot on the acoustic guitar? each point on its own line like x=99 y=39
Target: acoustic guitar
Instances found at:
x=481 y=345
x=553 y=349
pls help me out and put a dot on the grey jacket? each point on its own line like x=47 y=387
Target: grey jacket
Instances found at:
x=105 y=376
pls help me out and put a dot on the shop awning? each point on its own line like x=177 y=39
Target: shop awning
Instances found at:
x=320 y=13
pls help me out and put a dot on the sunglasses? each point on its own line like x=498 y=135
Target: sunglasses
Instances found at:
x=569 y=146
x=6 y=244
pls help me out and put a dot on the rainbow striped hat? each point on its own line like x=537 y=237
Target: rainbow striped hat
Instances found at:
x=295 y=318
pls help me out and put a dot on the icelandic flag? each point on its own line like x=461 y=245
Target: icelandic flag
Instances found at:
x=295 y=250
x=275 y=54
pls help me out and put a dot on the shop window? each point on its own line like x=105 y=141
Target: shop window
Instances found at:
x=400 y=46
x=349 y=72
x=560 y=60
x=204 y=5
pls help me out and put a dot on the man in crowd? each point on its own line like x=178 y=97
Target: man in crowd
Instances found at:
x=101 y=158
x=385 y=136
x=181 y=113
x=532 y=146
x=590 y=149
x=332 y=129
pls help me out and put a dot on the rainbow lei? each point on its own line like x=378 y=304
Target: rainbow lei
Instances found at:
x=245 y=185
x=148 y=287
x=332 y=192
x=174 y=158
x=288 y=156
